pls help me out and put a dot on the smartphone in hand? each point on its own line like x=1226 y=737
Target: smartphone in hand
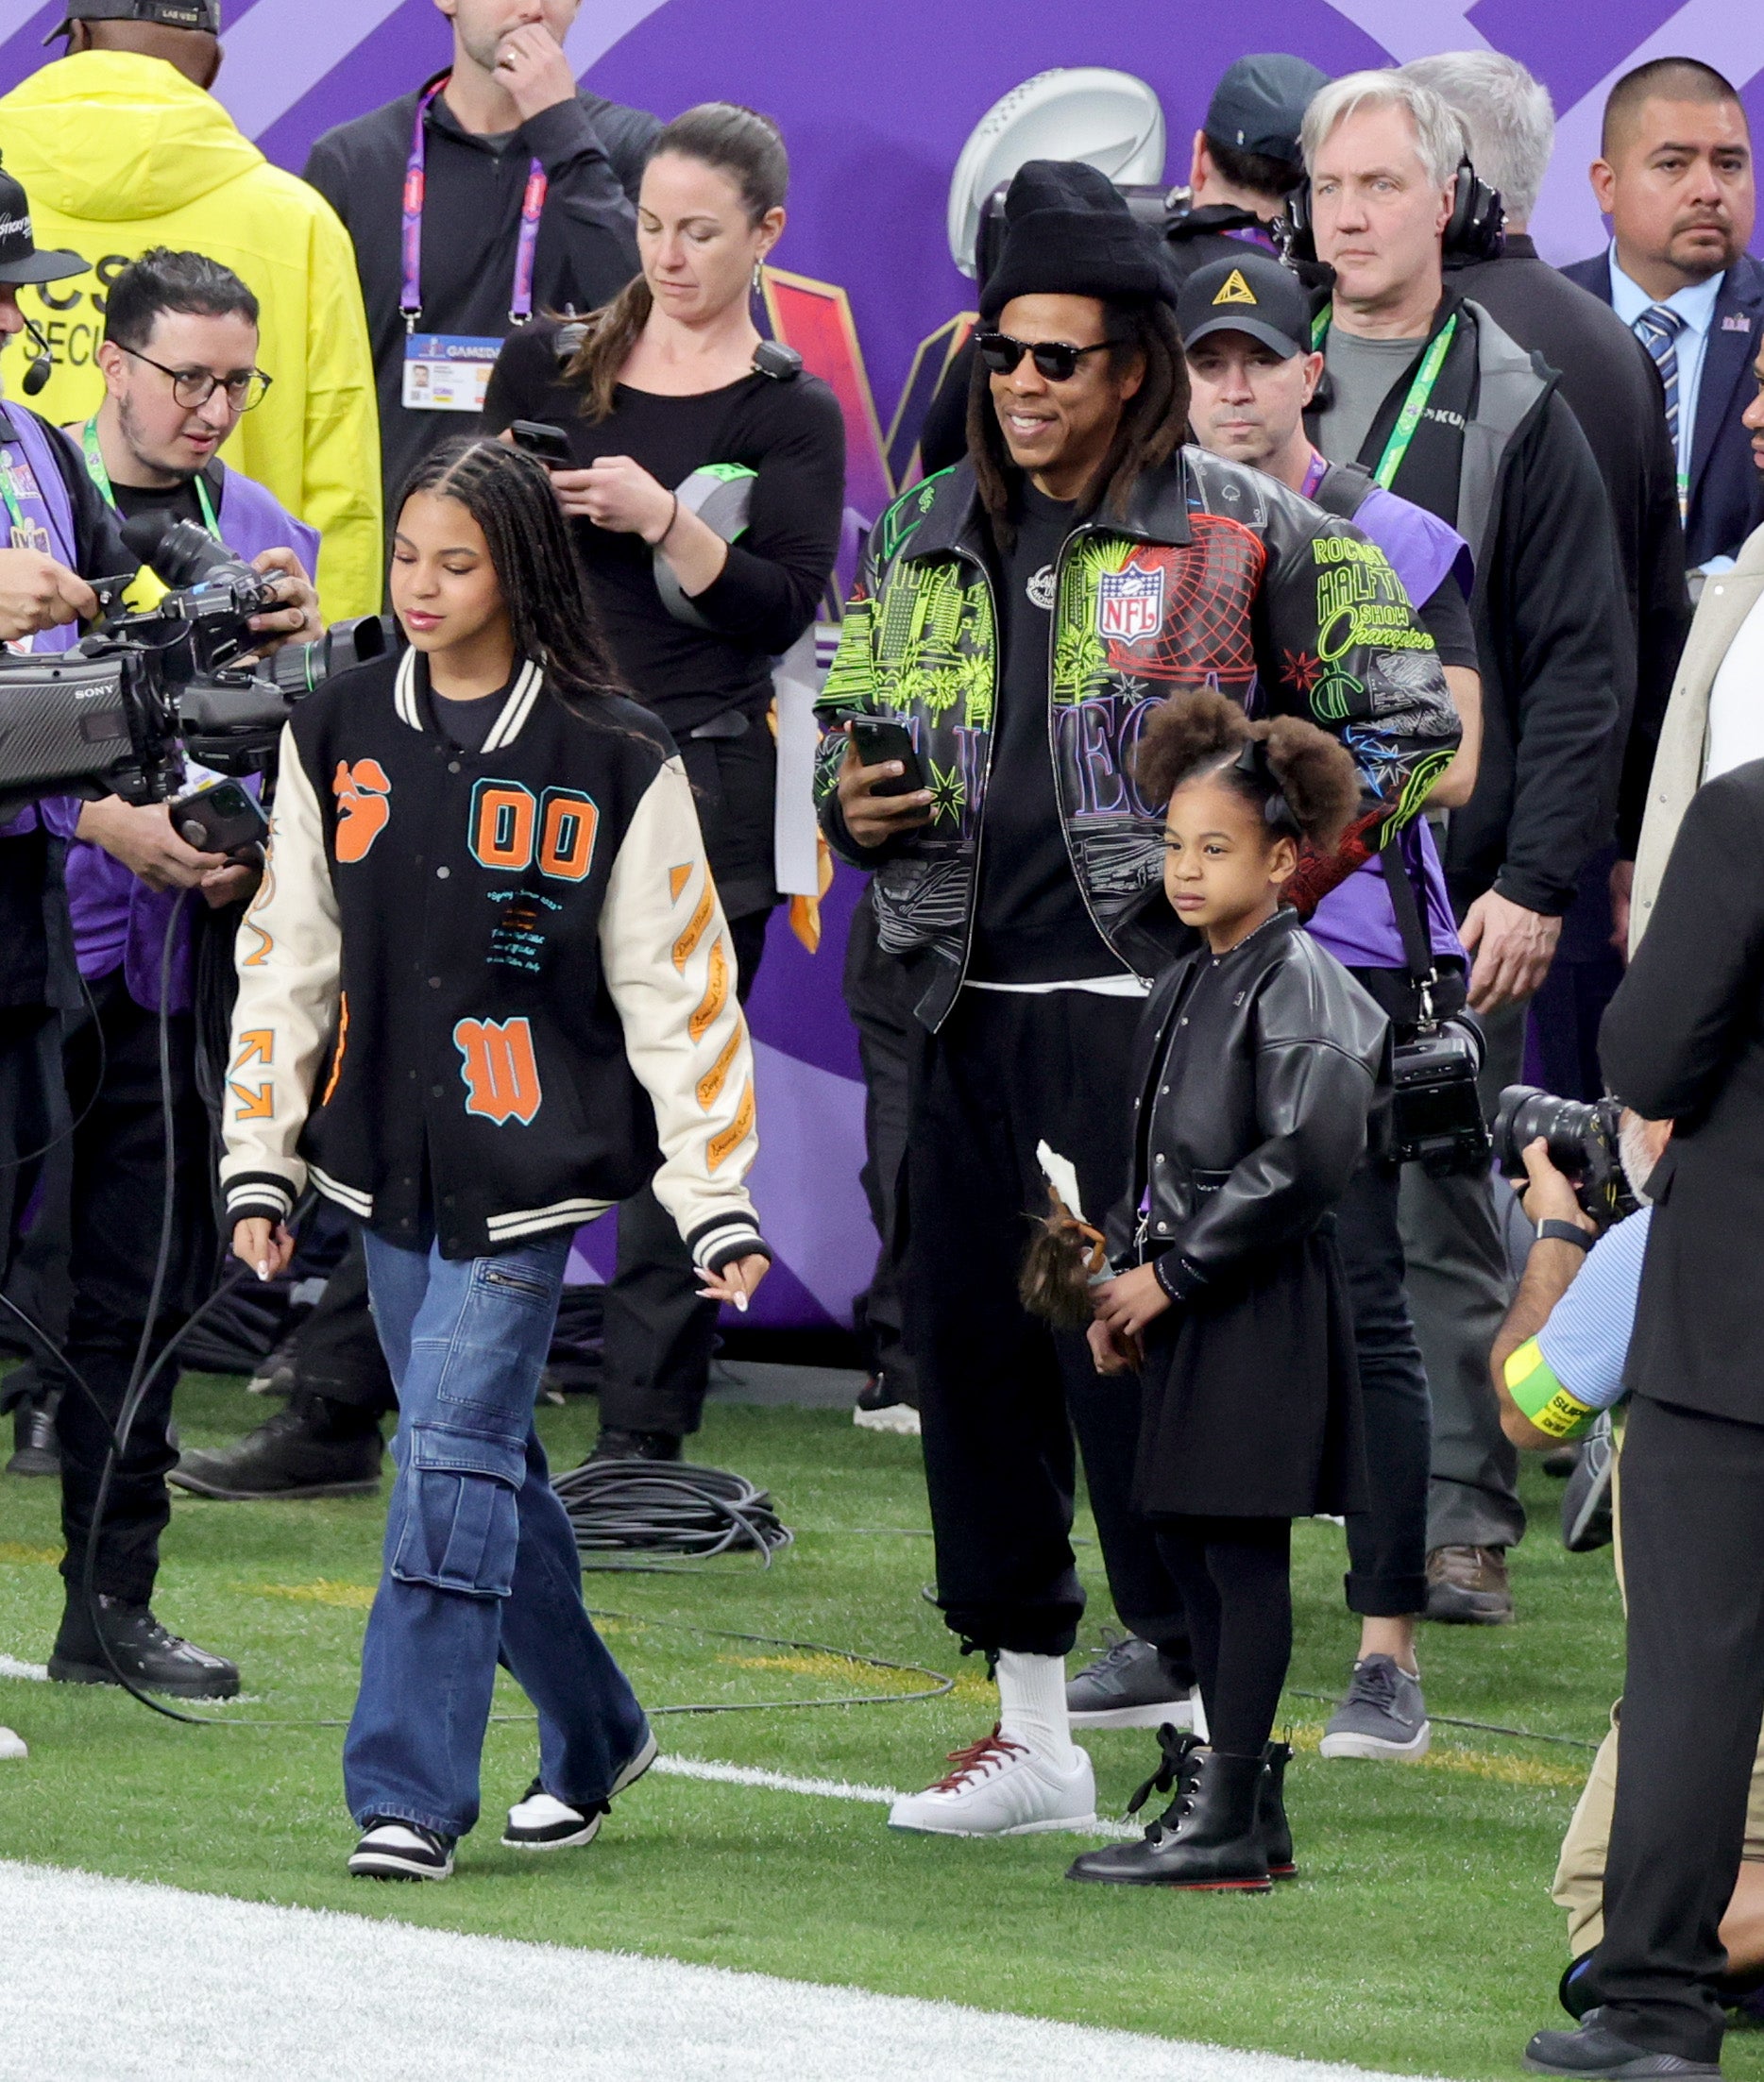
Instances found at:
x=540 y=437
x=877 y=741
x=221 y=817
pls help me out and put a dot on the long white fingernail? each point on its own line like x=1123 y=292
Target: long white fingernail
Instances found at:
x=740 y=1302
x=262 y=1269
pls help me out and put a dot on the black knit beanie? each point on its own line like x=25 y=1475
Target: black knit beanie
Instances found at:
x=1069 y=233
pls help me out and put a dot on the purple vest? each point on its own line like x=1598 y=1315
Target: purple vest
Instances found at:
x=118 y=920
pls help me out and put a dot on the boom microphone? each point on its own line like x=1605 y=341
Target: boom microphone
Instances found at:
x=42 y=362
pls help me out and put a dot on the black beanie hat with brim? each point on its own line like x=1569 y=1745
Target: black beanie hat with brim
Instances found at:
x=1070 y=233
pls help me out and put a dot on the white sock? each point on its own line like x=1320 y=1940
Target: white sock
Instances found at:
x=1032 y=1703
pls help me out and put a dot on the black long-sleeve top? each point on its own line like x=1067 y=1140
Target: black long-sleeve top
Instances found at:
x=592 y=152
x=791 y=434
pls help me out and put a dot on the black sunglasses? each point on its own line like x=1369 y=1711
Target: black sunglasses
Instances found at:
x=1055 y=359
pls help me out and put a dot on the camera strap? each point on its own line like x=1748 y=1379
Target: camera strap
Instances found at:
x=100 y=476
x=1416 y=950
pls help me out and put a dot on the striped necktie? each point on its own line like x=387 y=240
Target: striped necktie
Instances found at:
x=1659 y=329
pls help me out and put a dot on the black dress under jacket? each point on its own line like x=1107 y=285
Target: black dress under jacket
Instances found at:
x=1259 y=1076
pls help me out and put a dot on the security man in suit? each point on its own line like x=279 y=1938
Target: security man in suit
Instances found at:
x=1676 y=180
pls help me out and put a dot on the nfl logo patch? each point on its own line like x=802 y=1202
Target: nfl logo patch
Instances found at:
x=1129 y=604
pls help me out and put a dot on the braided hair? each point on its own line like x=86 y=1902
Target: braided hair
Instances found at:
x=551 y=614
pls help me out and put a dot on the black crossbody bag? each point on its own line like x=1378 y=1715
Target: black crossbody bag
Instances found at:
x=1438 y=1114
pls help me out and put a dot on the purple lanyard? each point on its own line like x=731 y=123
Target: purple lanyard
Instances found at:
x=415 y=180
x=1314 y=471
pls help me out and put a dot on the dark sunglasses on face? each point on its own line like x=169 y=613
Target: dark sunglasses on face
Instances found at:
x=1055 y=359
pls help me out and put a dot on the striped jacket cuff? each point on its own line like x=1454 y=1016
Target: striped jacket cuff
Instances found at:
x=258 y=1196
x=719 y=1242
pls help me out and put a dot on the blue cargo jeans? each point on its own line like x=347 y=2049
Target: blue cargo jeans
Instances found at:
x=481 y=1566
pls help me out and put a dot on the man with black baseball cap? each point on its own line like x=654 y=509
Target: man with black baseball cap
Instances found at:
x=1246 y=160
x=1022 y=615
x=124 y=150
x=1245 y=326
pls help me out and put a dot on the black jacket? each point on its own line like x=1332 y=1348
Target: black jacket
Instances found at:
x=1726 y=494
x=1501 y=456
x=507 y=970
x=592 y=152
x=1683 y=1040
x=1259 y=1077
x=1613 y=387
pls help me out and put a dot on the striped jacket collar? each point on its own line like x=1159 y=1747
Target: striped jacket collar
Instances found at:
x=529 y=681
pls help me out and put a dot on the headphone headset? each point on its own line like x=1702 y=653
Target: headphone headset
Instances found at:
x=1473 y=230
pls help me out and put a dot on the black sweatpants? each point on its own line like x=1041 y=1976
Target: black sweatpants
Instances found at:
x=33 y=1113
x=659 y=1336
x=879 y=999
x=1694 y=1569
x=340 y=1354
x=1387 y=1541
x=119 y=1158
x=1235 y=1576
x=1000 y=1393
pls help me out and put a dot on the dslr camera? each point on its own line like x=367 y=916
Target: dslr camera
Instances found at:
x=117 y=713
x=1582 y=1142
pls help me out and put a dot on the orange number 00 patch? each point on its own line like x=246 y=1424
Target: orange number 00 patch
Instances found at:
x=509 y=828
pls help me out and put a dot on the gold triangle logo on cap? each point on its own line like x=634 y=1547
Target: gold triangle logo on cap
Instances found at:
x=1235 y=290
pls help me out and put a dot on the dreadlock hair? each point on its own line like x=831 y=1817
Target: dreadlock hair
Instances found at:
x=1154 y=421
x=1302 y=781
x=551 y=614
x=738 y=142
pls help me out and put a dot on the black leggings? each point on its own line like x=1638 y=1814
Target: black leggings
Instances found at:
x=1237 y=1581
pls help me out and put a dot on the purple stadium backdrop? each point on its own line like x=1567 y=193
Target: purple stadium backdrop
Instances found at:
x=875 y=102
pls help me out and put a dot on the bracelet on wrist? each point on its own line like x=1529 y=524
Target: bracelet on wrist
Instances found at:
x=1552 y=1231
x=671 y=519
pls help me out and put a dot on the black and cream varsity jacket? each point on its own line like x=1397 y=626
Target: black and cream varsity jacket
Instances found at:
x=487 y=990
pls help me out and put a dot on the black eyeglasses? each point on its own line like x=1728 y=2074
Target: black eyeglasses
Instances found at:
x=1055 y=359
x=194 y=387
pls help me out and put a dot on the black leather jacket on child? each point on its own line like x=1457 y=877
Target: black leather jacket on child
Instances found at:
x=1261 y=1077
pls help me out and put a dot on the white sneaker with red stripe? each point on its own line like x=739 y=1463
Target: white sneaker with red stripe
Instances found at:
x=998 y=1787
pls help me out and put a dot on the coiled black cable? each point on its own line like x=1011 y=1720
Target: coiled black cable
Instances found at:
x=668 y=1507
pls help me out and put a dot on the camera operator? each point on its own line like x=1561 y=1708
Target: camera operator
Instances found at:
x=1564 y=1346
x=1683 y=1040
x=180 y=366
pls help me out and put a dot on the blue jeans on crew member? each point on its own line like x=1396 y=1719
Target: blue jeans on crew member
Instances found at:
x=481 y=1565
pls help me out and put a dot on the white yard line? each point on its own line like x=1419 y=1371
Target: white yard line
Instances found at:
x=108 y=1980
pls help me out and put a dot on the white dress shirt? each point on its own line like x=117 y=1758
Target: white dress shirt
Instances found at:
x=1696 y=307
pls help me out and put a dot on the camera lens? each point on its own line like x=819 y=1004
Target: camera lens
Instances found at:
x=1570 y=1129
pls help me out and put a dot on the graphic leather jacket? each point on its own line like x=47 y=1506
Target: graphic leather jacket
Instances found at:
x=1216 y=576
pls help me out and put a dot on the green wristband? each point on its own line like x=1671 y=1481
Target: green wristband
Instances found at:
x=1542 y=1398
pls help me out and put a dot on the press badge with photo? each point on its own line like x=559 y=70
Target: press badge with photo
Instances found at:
x=447 y=371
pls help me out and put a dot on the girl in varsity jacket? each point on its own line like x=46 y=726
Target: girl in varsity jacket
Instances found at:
x=485 y=984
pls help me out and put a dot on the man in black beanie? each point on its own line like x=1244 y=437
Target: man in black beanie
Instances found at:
x=1022 y=614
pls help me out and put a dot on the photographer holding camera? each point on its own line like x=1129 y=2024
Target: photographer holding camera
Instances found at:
x=1683 y=1040
x=180 y=365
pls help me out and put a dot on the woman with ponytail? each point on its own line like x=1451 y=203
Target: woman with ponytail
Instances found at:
x=1260 y=1071
x=653 y=391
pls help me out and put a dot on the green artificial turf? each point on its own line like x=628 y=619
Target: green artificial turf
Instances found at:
x=1419 y=1937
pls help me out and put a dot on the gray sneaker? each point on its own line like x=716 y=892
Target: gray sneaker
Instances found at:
x=1130 y=1686
x=1383 y=1716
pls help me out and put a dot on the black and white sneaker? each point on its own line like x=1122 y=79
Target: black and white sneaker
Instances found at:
x=1587 y=1502
x=881 y=1407
x=390 y=1849
x=540 y=1821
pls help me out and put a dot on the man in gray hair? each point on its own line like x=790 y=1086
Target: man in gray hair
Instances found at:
x=1432 y=398
x=1610 y=382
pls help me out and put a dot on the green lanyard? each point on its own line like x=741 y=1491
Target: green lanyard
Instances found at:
x=101 y=478
x=13 y=512
x=1414 y=405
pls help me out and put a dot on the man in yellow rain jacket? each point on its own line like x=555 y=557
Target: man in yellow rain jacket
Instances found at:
x=121 y=148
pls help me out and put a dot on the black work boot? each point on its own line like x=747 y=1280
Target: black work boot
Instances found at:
x=311 y=1448
x=36 y=1450
x=1210 y=1837
x=145 y=1652
x=615 y=1444
x=1277 y=1834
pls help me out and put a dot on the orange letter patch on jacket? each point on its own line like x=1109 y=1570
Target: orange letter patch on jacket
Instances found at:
x=363 y=810
x=502 y=1076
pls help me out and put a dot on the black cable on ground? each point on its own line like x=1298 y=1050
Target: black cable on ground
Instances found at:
x=667 y=1507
